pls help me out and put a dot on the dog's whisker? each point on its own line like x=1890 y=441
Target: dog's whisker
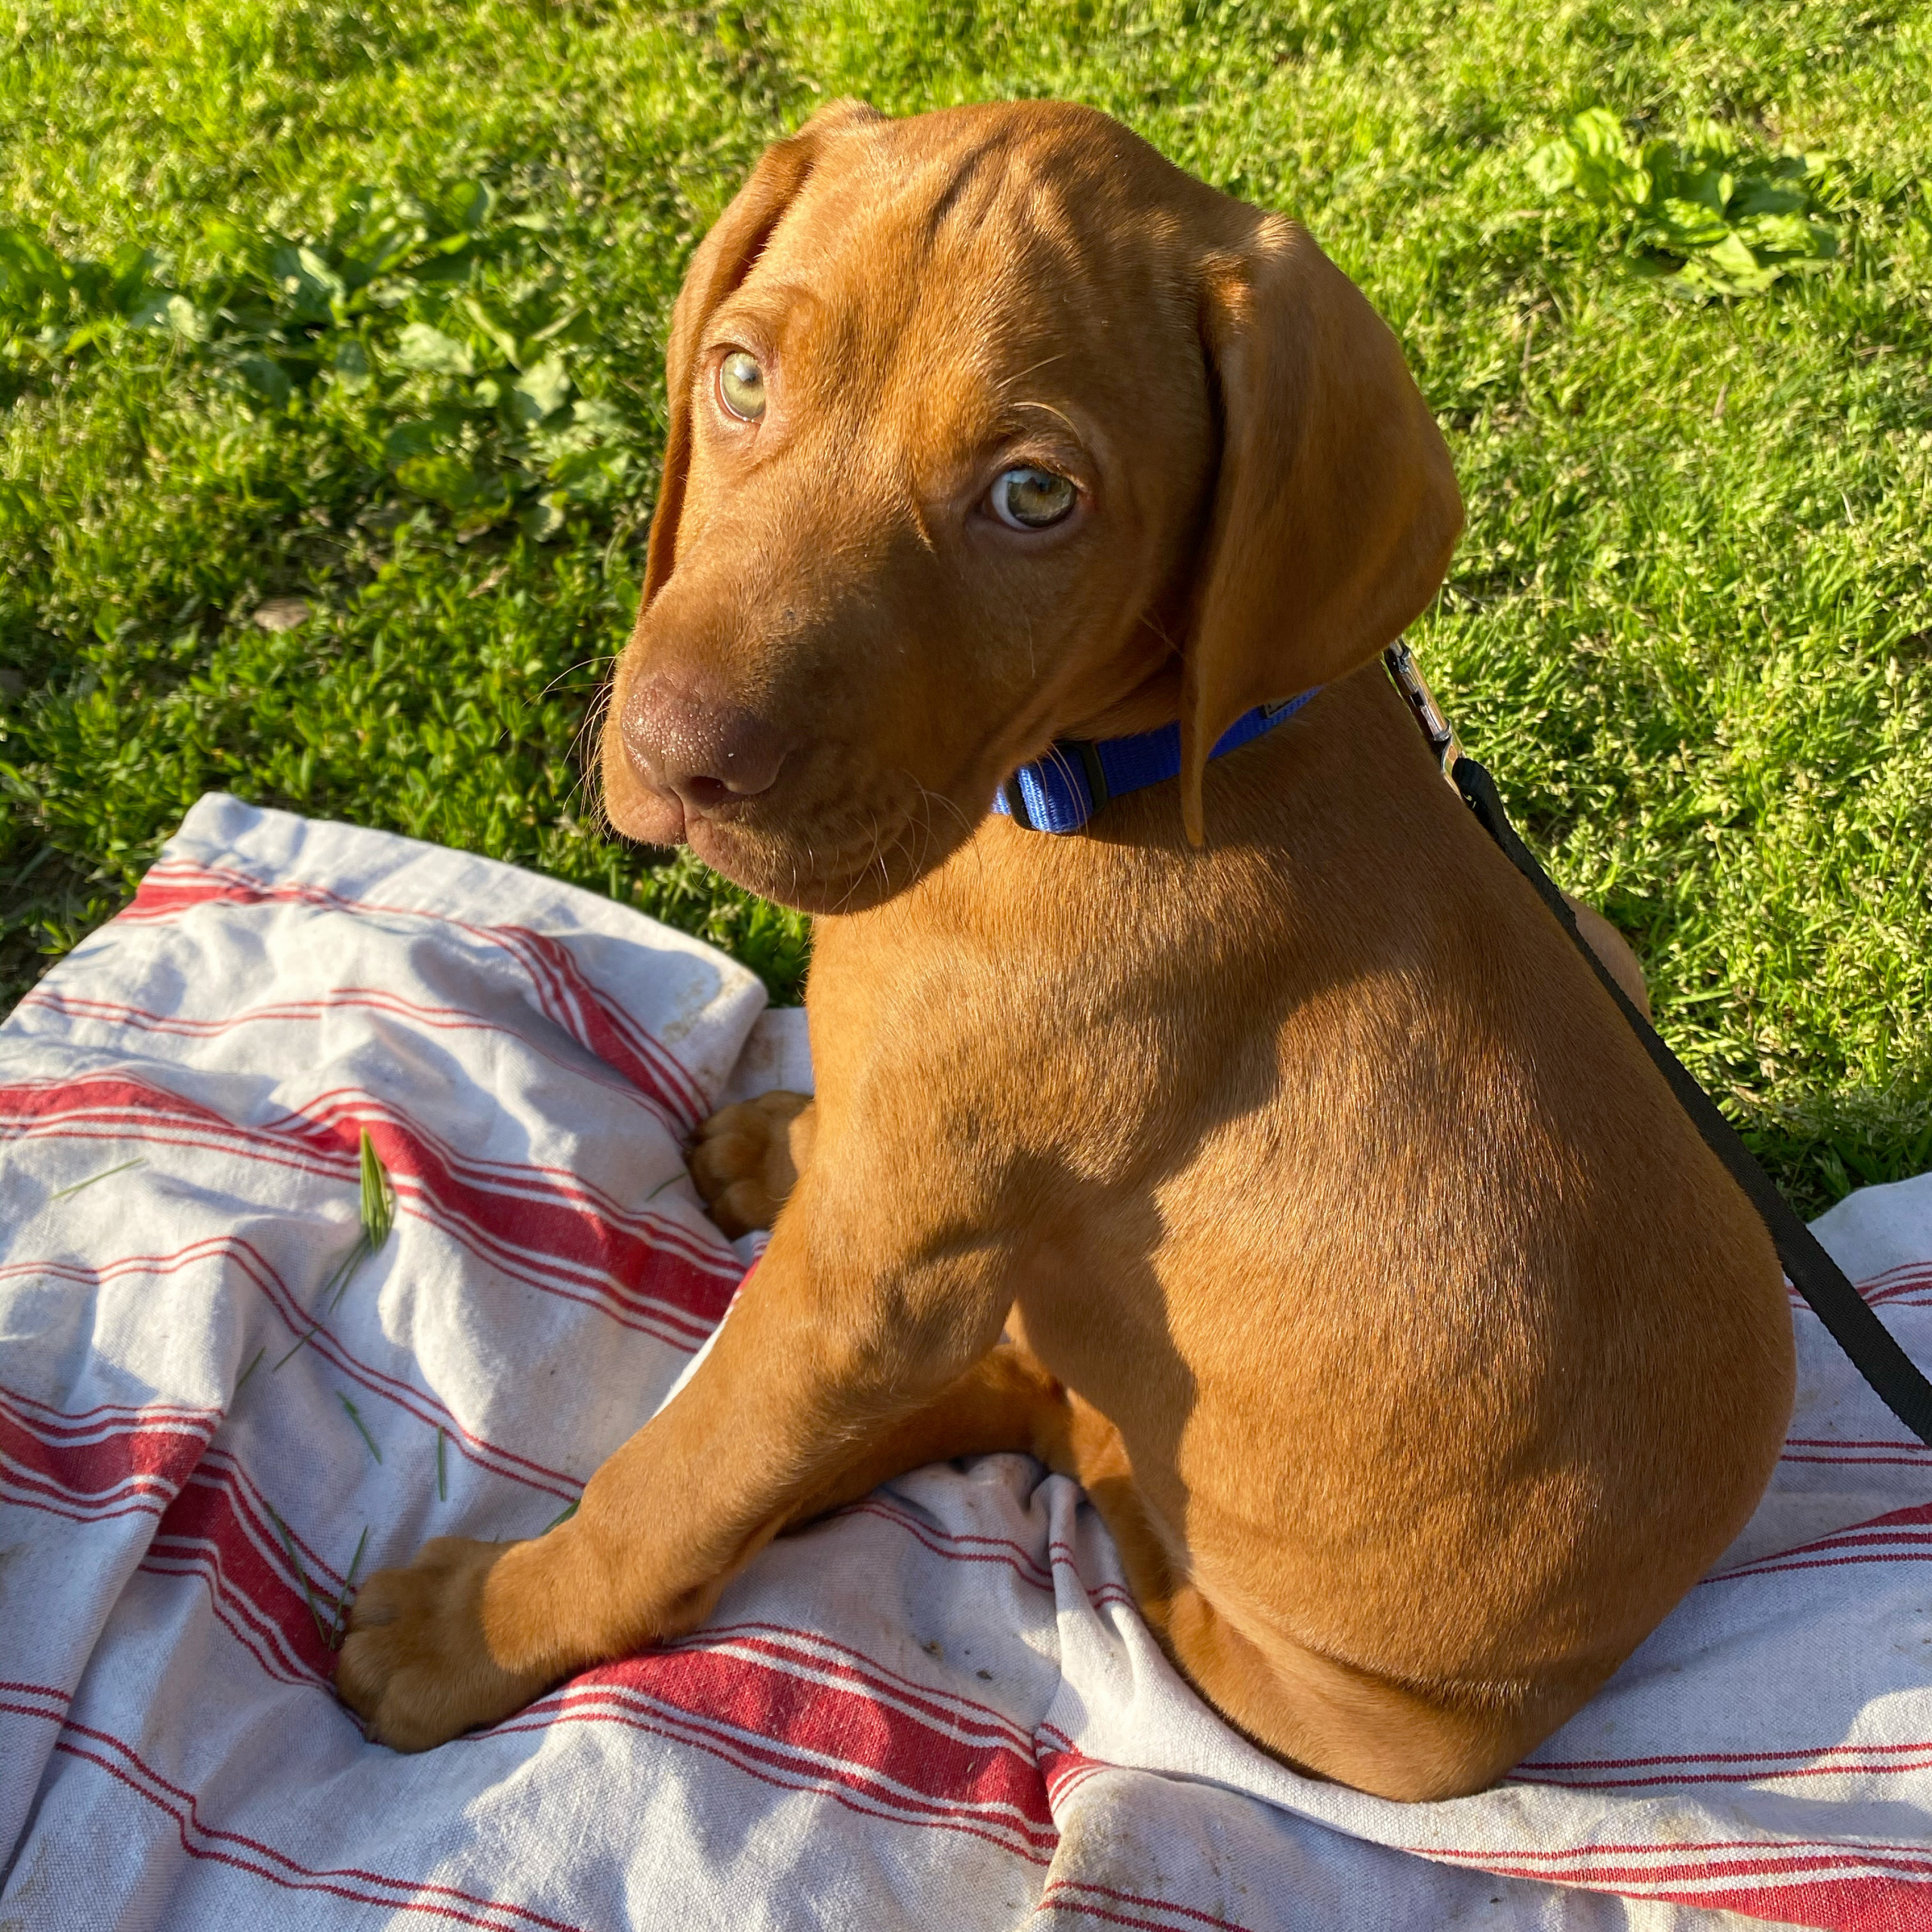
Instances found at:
x=590 y=767
x=582 y=664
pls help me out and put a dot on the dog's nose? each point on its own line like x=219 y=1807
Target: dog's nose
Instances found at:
x=709 y=753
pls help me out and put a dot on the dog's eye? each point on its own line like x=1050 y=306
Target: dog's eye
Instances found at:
x=1030 y=499
x=741 y=385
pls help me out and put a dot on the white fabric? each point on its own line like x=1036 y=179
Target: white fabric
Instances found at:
x=938 y=1709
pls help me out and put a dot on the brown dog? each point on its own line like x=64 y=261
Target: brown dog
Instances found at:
x=1349 y=1248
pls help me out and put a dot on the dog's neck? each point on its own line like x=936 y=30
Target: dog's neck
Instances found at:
x=1015 y=931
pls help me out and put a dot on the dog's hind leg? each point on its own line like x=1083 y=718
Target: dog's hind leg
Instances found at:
x=1316 y=1714
x=1614 y=950
x=1323 y=1716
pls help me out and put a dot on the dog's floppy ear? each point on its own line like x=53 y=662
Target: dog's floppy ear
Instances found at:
x=723 y=260
x=1335 y=509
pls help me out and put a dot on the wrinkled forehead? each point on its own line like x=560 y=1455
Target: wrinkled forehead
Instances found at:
x=985 y=253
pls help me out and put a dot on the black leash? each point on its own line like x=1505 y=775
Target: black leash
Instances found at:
x=1844 y=1311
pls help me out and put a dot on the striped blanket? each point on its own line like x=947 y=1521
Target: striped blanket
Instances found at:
x=937 y=1709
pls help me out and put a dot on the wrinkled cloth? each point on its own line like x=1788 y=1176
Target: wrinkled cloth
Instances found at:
x=937 y=1708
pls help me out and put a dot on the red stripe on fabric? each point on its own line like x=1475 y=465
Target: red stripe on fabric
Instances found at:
x=507 y=1205
x=77 y=1419
x=543 y=1228
x=1753 y=1854
x=1821 y=1563
x=372 y=999
x=942 y=1542
x=766 y=1701
x=147 y=1019
x=38 y=1101
x=929 y=1764
x=1014 y=1556
x=23 y=1498
x=1893 y=1537
x=1807 y=1752
x=1848 y=1452
x=233 y=1616
x=254 y=1267
x=683 y=1336
x=1051 y=1907
x=21 y=1482
x=1065 y=1766
x=823 y=1770
x=1793 y=1888
x=1063 y=1784
x=443 y=1901
x=1901 y=1548
x=1139 y=1903
x=808 y=1650
x=337 y=1114
x=158 y=1456
x=634 y=1309
x=1674 y=1780
x=1893 y=1285
x=30 y=1710
x=1851 y=1442
x=218 y=1526
x=846 y=1797
x=549 y=1215
x=222 y=1470
x=611 y=1034
x=1834 y=1905
x=50 y=1707
x=564 y=995
x=1859 y=1462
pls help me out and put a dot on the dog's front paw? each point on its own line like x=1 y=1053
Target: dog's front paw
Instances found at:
x=419 y=1664
x=747 y=1157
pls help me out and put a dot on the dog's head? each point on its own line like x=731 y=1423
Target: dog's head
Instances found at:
x=990 y=427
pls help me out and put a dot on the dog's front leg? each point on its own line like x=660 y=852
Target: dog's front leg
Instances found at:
x=829 y=1346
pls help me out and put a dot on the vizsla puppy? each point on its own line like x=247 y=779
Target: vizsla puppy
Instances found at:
x=1344 y=1244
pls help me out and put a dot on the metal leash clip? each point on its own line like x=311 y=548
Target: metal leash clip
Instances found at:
x=1436 y=728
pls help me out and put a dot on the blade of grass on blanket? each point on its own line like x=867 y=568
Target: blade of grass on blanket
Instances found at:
x=378 y=1210
x=362 y=1428
x=378 y=1196
x=347 y=1594
x=563 y=1515
x=337 y=1286
x=442 y=1467
x=301 y=1575
x=254 y=1363
x=61 y=1194
x=300 y=1341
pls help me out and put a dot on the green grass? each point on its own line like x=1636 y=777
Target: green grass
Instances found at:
x=1690 y=626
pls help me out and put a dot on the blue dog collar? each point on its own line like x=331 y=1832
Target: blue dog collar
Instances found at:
x=1061 y=792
